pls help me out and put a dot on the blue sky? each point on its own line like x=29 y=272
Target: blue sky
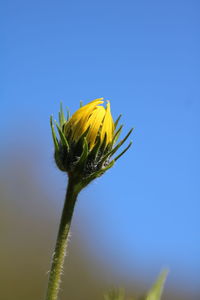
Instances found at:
x=144 y=57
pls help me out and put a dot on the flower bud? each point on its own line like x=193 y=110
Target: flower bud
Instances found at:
x=87 y=141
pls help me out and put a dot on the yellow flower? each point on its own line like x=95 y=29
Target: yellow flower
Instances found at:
x=88 y=140
x=93 y=118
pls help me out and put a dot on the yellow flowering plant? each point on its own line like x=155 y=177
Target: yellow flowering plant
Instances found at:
x=84 y=150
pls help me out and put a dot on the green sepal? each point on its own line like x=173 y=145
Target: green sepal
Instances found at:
x=120 y=143
x=117 y=134
x=81 y=162
x=124 y=151
x=96 y=174
x=103 y=144
x=110 y=153
x=81 y=103
x=82 y=137
x=58 y=161
x=61 y=116
x=62 y=137
x=54 y=135
x=94 y=152
x=101 y=172
x=117 y=121
x=68 y=114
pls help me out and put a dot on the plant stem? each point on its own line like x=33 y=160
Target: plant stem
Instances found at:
x=61 y=243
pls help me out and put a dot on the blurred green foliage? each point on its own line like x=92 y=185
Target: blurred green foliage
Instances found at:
x=115 y=295
x=155 y=292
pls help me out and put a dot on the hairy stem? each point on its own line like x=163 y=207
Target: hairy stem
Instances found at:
x=61 y=243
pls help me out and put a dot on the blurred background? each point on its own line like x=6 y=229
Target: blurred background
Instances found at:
x=143 y=215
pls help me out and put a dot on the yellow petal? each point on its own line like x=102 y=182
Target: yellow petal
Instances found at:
x=77 y=123
x=95 y=122
x=93 y=117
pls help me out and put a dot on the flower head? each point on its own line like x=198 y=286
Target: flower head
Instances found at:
x=87 y=141
x=93 y=119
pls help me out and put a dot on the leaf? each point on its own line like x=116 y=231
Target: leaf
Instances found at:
x=155 y=292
